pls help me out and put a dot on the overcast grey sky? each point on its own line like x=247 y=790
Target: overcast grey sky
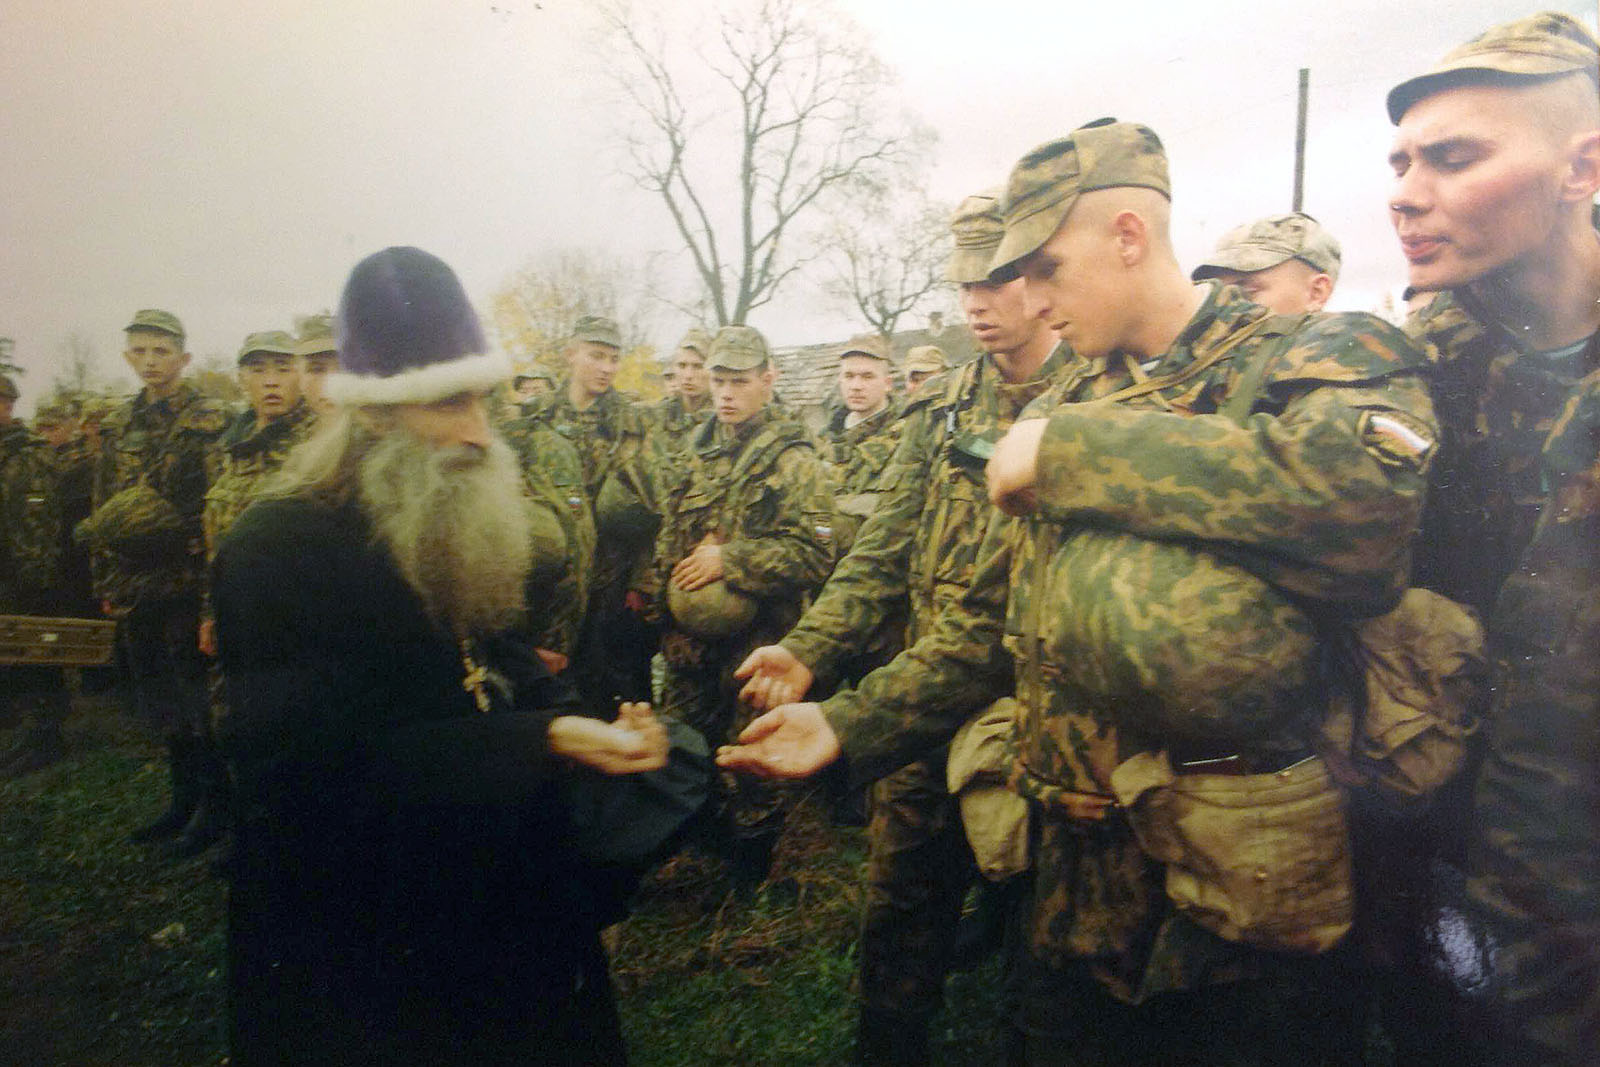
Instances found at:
x=230 y=162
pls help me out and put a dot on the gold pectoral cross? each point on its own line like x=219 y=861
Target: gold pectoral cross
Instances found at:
x=476 y=679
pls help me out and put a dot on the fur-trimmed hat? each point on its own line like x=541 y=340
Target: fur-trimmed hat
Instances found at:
x=408 y=335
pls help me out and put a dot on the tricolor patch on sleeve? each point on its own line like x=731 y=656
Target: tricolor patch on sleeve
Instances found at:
x=1397 y=439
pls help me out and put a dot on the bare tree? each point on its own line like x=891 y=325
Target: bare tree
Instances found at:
x=745 y=139
x=79 y=373
x=888 y=263
x=538 y=305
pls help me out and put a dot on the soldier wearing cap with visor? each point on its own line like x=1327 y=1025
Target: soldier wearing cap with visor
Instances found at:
x=316 y=355
x=148 y=549
x=1496 y=158
x=914 y=556
x=1204 y=477
x=689 y=401
x=1288 y=263
x=922 y=363
x=746 y=535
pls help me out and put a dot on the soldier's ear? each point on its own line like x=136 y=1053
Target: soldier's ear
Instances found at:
x=1132 y=236
x=1581 y=176
x=1320 y=289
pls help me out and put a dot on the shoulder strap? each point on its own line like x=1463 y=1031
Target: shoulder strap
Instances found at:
x=1238 y=406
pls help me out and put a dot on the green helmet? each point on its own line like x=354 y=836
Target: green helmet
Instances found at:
x=713 y=611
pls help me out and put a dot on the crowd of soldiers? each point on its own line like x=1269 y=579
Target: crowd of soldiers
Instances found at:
x=1056 y=607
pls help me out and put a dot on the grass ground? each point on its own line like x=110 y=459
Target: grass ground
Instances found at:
x=112 y=955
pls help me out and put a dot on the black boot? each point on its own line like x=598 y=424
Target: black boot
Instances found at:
x=891 y=1039
x=210 y=821
x=181 y=756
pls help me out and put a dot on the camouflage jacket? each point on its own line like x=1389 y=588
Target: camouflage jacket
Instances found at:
x=615 y=444
x=915 y=555
x=1535 y=866
x=165 y=445
x=858 y=455
x=30 y=523
x=554 y=476
x=761 y=488
x=674 y=424
x=1496 y=402
x=246 y=454
x=608 y=435
x=1172 y=545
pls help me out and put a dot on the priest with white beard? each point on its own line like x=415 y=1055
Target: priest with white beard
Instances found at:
x=406 y=888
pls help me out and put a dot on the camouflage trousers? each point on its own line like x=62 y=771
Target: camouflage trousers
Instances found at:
x=166 y=670
x=918 y=869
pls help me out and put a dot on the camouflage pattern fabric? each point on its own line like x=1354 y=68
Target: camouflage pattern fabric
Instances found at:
x=913 y=557
x=763 y=490
x=858 y=455
x=30 y=523
x=553 y=473
x=246 y=454
x=1496 y=405
x=1303 y=497
x=673 y=423
x=1535 y=863
x=164 y=445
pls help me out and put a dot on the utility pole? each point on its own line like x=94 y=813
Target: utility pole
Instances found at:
x=1300 y=141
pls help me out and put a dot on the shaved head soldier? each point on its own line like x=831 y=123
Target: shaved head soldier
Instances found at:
x=1204 y=478
x=1496 y=159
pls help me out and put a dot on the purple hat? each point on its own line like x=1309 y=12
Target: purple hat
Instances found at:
x=408 y=335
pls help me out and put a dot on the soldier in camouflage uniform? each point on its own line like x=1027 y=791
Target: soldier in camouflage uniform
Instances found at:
x=316 y=353
x=30 y=584
x=1287 y=263
x=611 y=436
x=1497 y=163
x=250 y=450
x=1158 y=589
x=72 y=469
x=745 y=537
x=917 y=551
x=554 y=475
x=862 y=433
x=148 y=548
x=689 y=404
x=922 y=363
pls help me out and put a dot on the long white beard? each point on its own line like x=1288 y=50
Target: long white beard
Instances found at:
x=457 y=525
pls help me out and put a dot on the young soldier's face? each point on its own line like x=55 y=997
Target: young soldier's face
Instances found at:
x=689 y=368
x=863 y=383
x=1289 y=288
x=1476 y=184
x=594 y=367
x=739 y=394
x=1071 y=285
x=270 y=382
x=998 y=315
x=157 y=358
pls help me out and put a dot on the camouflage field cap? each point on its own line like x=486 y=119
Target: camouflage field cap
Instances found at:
x=537 y=372
x=156 y=319
x=1270 y=241
x=315 y=336
x=267 y=343
x=867 y=344
x=738 y=348
x=8 y=388
x=697 y=340
x=1520 y=52
x=596 y=329
x=926 y=359
x=977 y=227
x=1045 y=183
